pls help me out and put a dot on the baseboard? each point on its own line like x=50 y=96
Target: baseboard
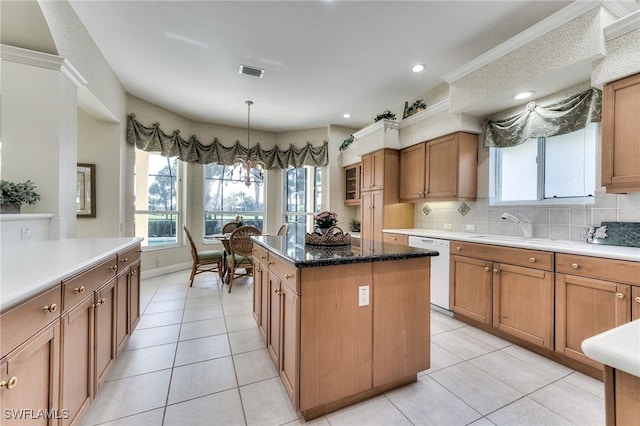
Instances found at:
x=156 y=272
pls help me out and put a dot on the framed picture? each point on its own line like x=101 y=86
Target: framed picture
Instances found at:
x=86 y=190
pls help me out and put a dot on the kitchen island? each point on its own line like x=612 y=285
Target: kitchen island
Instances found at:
x=341 y=326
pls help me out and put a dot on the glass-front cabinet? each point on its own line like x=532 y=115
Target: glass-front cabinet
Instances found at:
x=352 y=184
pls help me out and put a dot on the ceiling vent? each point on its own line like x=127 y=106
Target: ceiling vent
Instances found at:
x=254 y=72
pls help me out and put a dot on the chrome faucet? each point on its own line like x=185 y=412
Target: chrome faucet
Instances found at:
x=524 y=224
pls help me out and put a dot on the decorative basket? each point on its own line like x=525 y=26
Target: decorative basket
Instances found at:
x=332 y=237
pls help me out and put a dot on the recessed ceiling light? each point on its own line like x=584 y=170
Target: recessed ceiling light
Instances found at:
x=523 y=95
x=418 y=68
x=346 y=115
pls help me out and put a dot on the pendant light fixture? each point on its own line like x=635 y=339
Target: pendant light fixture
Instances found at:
x=248 y=168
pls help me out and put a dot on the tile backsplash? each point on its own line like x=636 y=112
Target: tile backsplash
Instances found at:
x=558 y=222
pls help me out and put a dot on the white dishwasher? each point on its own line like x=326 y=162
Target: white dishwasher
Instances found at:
x=439 y=268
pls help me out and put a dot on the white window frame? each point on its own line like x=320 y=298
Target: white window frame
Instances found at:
x=310 y=196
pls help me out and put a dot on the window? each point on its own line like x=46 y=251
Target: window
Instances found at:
x=225 y=199
x=303 y=198
x=157 y=212
x=545 y=168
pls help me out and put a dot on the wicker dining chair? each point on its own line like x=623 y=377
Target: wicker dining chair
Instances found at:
x=283 y=229
x=241 y=256
x=204 y=260
x=229 y=227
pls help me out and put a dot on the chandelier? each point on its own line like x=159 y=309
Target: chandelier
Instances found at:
x=249 y=168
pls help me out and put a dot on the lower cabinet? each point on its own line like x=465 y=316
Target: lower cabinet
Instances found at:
x=273 y=328
x=622 y=397
x=29 y=380
x=290 y=330
x=105 y=336
x=495 y=288
x=635 y=304
x=260 y=275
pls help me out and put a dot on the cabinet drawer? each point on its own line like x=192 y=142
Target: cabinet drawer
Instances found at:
x=77 y=288
x=511 y=255
x=20 y=323
x=285 y=271
x=260 y=253
x=395 y=238
x=126 y=258
x=595 y=267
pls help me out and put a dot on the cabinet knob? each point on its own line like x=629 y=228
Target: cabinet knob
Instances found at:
x=277 y=291
x=51 y=308
x=258 y=270
x=575 y=265
x=495 y=271
x=620 y=295
x=287 y=276
x=458 y=248
x=262 y=257
x=114 y=268
x=486 y=269
x=102 y=301
x=134 y=271
x=637 y=299
x=79 y=290
x=532 y=259
x=271 y=262
x=10 y=384
x=125 y=260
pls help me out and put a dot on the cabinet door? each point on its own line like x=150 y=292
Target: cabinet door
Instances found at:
x=372 y=219
x=77 y=360
x=273 y=329
x=584 y=308
x=412 y=178
x=523 y=303
x=621 y=135
x=289 y=331
x=105 y=336
x=122 y=308
x=29 y=380
x=373 y=171
x=134 y=296
x=260 y=308
x=471 y=288
x=352 y=185
x=441 y=178
x=635 y=303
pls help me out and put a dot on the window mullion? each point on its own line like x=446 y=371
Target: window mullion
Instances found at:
x=541 y=160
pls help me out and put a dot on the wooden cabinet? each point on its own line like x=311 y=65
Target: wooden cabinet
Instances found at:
x=273 y=329
x=290 y=346
x=621 y=135
x=508 y=288
x=352 y=184
x=635 y=303
x=380 y=199
x=441 y=169
x=592 y=295
x=29 y=380
x=622 y=397
x=134 y=295
x=122 y=310
x=401 y=239
x=105 y=302
x=260 y=290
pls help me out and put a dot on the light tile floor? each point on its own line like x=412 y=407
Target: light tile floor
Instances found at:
x=196 y=358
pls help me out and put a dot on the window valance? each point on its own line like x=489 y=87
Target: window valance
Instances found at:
x=565 y=116
x=153 y=139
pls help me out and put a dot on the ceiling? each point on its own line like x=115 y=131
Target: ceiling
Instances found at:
x=321 y=58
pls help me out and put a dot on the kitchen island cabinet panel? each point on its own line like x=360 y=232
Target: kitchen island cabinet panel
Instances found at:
x=398 y=304
x=105 y=331
x=635 y=303
x=335 y=335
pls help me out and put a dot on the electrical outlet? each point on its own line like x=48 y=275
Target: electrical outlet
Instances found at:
x=363 y=295
x=25 y=233
x=446 y=226
x=469 y=227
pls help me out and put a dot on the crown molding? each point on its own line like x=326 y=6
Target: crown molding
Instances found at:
x=382 y=124
x=42 y=60
x=622 y=26
x=552 y=22
x=621 y=8
x=434 y=109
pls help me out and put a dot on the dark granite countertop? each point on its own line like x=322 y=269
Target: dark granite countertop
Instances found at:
x=303 y=256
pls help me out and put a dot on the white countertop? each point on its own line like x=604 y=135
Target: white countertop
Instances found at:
x=618 y=348
x=30 y=268
x=558 y=246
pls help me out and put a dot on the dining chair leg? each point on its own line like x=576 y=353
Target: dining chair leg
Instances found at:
x=193 y=274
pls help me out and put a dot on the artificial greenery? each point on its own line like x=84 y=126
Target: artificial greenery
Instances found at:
x=18 y=193
x=388 y=115
x=416 y=106
x=345 y=144
x=354 y=225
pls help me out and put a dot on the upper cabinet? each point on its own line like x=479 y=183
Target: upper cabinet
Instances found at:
x=373 y=173
x=445 y=168
x=352 y=184
x=621 y=135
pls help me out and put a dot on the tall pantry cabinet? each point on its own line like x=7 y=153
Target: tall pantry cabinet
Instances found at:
x=381 y=207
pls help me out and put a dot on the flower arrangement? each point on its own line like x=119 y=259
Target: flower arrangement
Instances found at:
x=388 y=115
x=326 y=219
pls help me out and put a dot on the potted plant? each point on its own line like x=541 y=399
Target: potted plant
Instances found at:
x=13 y=195
x=325 y=220
x=416 y=107
x=386 y=115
